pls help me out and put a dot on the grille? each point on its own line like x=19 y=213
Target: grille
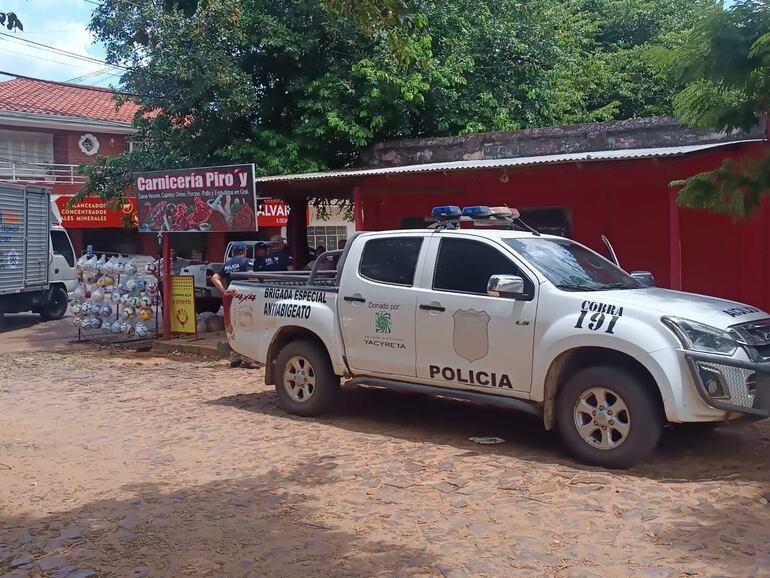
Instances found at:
x=726 y=383
x=763 y=351
x=756 y=336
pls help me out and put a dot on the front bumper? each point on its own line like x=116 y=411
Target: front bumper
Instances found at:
x=730 y=384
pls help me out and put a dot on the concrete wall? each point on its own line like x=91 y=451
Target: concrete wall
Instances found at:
x=615 y=135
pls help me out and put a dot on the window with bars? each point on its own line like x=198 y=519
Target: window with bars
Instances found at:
x=328 y=236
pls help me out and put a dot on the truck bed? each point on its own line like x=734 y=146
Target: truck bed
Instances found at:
x=316 y=278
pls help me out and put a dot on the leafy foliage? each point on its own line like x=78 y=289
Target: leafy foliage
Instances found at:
x=725 y=63
x=11 y=21
x=306 y=85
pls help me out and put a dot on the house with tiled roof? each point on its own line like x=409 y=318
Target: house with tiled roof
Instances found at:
x=49 y=129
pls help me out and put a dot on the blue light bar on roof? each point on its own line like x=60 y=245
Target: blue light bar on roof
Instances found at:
x=477 y=212
x=446 y=213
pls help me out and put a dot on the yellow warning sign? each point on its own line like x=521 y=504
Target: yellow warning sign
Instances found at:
x=183 y=318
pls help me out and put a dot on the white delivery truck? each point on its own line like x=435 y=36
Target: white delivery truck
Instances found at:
x=510 y=317
x=37 y=263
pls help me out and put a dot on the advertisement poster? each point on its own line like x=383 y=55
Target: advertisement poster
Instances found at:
x=183 y=318
x=199 y=199
x=272 y=213
x=92 y=212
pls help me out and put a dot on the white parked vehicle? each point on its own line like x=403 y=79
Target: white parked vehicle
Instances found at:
x=37 y=263
x=207 y=296
x=510 y=317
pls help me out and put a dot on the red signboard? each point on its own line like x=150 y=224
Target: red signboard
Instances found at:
x=272 y=213
x=93 y=213
x=200 y=199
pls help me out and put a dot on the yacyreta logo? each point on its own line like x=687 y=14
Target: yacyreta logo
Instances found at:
x=382 y=322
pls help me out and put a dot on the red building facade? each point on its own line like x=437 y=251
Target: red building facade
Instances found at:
x=628 y=201
x=624 y=194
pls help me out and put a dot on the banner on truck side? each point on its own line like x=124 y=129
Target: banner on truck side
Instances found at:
x=183 y=318
x=200 y=199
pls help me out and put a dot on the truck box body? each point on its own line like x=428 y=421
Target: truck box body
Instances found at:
x=24 y=238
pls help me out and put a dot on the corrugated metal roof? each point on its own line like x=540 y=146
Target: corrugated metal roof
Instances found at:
x=591 y=156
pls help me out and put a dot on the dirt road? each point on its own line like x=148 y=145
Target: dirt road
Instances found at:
x=131 y=466
x=27 y=332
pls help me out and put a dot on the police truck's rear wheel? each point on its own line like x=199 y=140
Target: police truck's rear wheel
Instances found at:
x=306 y=384
x=607 y=417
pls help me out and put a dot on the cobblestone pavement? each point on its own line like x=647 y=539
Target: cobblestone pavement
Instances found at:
x=129 y=465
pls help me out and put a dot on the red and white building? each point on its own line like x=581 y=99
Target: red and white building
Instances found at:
x=47 y=130
x=581 y=181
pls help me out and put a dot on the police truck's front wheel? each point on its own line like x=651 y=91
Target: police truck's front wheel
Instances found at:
x=608 y=417
x=306 y=384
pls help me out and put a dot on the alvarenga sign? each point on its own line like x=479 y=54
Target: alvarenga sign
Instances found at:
x=200 y=199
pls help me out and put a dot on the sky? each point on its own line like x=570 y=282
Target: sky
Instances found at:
x=58 y=23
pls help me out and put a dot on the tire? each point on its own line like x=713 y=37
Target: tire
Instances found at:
x=305 y=400
x=612 y=445
x=56 y=306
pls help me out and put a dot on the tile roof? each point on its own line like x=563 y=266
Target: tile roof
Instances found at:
x=62 y=99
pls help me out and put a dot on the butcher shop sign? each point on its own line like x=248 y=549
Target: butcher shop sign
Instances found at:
x=200 y=199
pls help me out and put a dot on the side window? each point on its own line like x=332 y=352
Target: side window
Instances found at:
x=60 y=244
x=465 y=266
x=391 y=260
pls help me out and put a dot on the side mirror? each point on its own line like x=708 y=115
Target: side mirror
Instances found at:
x=644 y=277
x=509 y=286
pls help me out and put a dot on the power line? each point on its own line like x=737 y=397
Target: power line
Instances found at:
x=43 y=58
x=95 y=74
x=125 y=1
x=60 y=51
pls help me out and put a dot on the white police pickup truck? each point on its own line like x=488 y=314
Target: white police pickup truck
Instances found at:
x=509 y=317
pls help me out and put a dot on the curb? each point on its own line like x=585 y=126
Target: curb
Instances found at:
x=221 y=351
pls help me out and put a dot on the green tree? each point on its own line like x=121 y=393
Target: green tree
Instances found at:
x=303 y=85
x=725 y=64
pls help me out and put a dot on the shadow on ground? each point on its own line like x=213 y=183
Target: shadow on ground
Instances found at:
x=733 y=531
x=735 y=451
x=16 y=321
x=260 y=526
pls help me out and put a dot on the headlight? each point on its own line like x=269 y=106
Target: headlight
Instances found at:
x=699 y=337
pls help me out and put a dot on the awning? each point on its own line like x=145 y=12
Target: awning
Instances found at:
x=592 y=156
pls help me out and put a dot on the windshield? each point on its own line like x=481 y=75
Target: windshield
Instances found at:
x=572 y=267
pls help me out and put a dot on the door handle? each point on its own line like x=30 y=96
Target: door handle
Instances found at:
x=432 y=307
x=353 y=299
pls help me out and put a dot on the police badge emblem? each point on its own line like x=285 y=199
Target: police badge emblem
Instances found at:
x=470 y=338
